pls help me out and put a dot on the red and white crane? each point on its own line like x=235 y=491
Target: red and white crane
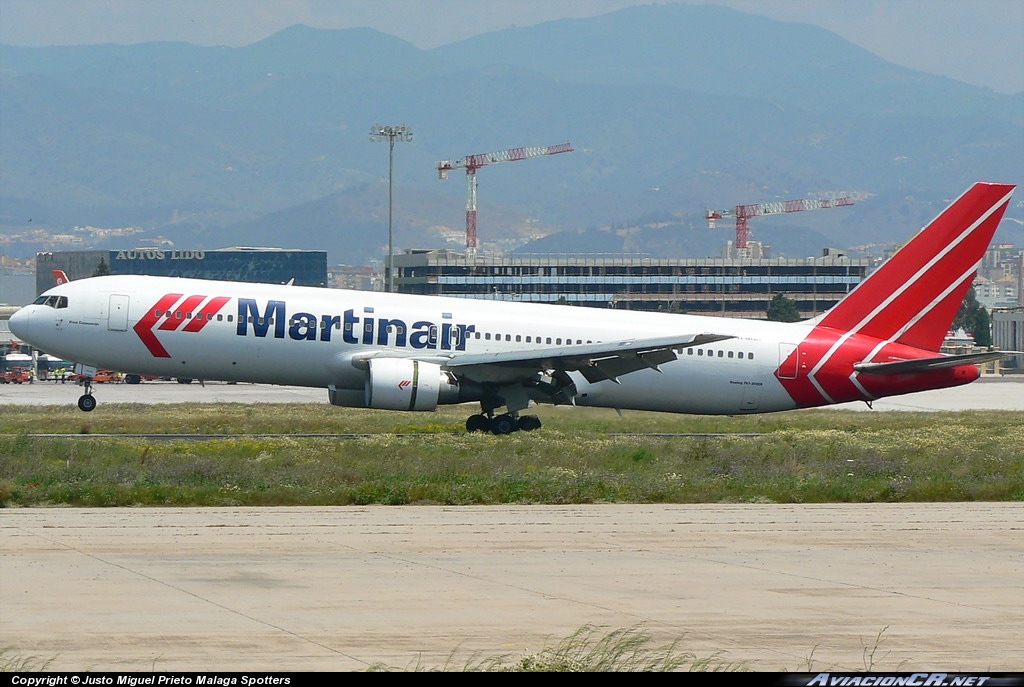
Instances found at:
x=742 y=213
x=471 y=163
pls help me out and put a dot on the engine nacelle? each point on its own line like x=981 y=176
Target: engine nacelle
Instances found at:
x=406 y=384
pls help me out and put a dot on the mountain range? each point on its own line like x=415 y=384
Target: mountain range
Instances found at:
x=671 y=110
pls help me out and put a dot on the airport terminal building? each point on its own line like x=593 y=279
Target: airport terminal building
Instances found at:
x=271 y=265
x=711 y=286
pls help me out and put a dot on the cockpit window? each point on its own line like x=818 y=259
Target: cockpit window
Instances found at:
x=52 y=301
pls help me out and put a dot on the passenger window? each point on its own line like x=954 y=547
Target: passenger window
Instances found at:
x=730 y=354
x=720 y=354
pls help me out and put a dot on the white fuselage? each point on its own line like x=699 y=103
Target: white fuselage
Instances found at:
x=314 y=337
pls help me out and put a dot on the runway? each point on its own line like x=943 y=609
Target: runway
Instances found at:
x=794 y=588
x=994 y=393
x=790 y=588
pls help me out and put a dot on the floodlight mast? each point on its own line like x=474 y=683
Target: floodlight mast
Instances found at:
x=390 y=134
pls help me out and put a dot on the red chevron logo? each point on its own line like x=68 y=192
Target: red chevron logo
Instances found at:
x=170 y=313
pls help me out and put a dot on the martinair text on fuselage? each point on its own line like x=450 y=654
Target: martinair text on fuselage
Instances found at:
x=373 y=330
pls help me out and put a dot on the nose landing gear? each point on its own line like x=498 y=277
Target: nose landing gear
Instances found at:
x=86 y=402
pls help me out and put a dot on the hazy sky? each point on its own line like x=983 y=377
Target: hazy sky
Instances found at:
x=977 y=41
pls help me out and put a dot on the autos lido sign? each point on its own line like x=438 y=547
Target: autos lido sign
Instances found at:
x=154 y=254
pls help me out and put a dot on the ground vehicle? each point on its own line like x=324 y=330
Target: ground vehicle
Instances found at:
x=15 y=375
x=136 y=379
x=101 y=377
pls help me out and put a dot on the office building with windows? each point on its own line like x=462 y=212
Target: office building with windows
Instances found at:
x=713 y=286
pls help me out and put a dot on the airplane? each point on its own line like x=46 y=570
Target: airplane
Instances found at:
x=395 y=351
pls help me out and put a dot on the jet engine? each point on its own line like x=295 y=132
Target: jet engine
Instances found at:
x=406 y=384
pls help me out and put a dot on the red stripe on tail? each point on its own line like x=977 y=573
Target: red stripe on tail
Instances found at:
x=913 y=297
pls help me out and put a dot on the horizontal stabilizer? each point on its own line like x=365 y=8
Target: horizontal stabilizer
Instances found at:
x=937 y=363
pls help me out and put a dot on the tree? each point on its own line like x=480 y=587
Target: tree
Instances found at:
x=982 y=328
x=101 y=269
x=972 y=317
x=783 y=309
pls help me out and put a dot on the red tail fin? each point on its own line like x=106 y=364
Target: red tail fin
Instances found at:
x=914 y=296
x=60 y=277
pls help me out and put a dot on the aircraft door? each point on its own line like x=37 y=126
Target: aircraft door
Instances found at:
x=117 y=316
x=789 y=361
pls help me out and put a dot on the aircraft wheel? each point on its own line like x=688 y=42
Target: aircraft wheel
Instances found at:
x=86 y=402
x=477 y=423
x=503 y=424
x=132 y=379
x=528 y=423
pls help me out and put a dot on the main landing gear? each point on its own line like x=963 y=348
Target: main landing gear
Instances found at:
x=87 y=402
x=514 y=398
x=502 y=424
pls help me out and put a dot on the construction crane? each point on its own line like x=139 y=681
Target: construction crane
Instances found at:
x=742 y=213
x=471 y=163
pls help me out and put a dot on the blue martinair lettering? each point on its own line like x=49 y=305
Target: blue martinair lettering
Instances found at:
x=464 y=330
x=425 y=335
x=366 y=330
x=329 y=322
x=385 y=327
x=303 y=326
x=247 y=309
x=350 y=326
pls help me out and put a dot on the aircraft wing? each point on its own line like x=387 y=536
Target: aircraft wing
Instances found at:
x=936 y=363
x=596 y=362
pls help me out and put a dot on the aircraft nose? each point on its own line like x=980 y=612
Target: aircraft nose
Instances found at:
x=19 y=323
